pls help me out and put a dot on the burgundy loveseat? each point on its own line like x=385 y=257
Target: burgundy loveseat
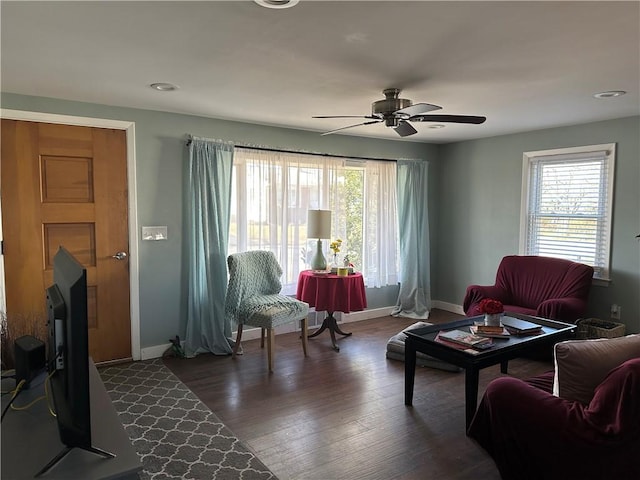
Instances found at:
x=533 y=435
x=542 y=286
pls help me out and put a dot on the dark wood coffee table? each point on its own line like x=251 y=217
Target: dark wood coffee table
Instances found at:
x=423 y=340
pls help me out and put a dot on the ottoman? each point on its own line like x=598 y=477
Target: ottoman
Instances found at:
x=395 y=351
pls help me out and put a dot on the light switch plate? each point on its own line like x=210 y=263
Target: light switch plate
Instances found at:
x=154 y=233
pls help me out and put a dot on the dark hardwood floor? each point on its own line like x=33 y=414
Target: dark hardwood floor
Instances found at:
x=341 y=415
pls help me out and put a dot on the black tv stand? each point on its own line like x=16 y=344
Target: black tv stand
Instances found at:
x=64 y=453
x=30 y=438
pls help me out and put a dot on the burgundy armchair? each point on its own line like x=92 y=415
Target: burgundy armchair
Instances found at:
x=533 y=435
x=541 y=286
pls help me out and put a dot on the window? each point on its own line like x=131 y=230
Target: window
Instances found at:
x=566 y=205
x=272 y=191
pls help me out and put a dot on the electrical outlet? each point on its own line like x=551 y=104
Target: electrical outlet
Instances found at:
x=616 y=310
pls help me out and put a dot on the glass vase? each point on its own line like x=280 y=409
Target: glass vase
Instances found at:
x=492 y=319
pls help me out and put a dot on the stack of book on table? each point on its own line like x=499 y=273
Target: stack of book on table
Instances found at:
x=490 y=331
x=464 y=339
x=516 y=326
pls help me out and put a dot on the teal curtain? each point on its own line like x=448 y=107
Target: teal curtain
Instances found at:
x=208 y=193
x=414 y=299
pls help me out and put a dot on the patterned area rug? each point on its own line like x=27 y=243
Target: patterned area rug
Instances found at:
x=174 y=433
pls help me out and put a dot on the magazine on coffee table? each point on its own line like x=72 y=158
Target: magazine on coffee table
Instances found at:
x=466 y=339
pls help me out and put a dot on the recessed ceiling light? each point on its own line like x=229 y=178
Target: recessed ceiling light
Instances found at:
x=610 y=94
x=277 y=3
x=436 y=126
x=164 y=87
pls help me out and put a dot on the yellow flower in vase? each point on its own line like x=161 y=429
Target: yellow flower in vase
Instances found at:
x=335 y=246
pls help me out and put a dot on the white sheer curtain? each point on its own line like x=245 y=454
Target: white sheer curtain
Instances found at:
x=380 y=224
x=273 y=191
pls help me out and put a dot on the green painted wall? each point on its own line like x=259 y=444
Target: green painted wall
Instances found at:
x=474 y=201
x=478 y=211
x=160 y=157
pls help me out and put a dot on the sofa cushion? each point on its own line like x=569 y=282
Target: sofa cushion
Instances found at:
x=581 y=365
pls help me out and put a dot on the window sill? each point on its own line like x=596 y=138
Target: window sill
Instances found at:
x=601 y=282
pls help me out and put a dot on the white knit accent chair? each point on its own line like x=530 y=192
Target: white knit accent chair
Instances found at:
x=253 y=298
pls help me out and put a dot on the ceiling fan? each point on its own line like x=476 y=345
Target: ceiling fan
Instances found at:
x=397 y=112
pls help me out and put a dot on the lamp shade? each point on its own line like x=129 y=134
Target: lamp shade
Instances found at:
x=318 y=224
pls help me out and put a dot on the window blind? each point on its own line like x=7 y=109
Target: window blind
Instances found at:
x=569 y=208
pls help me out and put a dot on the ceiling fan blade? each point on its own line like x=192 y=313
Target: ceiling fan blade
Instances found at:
x=404 y=129
x=351 y=126
x=449 y=118
x=347 y=116
x=417 y=109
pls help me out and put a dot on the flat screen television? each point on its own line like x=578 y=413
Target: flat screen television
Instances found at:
x=68 y=355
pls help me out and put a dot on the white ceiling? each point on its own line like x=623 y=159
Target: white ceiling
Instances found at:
x=523 y=65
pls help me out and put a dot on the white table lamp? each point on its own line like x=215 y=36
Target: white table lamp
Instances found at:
x=318 y=226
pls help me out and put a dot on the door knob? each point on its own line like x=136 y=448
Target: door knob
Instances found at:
x=120 y=255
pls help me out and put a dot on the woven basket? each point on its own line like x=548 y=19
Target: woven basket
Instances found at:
x=596 y=328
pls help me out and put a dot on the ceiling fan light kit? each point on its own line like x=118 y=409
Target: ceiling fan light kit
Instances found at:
x=609 y=94
x=277 y=4
x=397 y=112
x=164 y=86
x=390 y=104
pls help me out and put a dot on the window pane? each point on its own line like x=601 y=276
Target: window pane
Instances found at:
x=569 y=206
x=272 y=192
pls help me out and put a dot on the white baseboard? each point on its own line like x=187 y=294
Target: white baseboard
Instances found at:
x=157 y=351
x=366 y=314
x=449 y=307
x=153 y=352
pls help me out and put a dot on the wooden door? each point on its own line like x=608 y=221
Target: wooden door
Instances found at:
x=67 y=185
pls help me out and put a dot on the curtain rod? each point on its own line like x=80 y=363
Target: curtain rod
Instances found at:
x=283 y=150
x=317 y=154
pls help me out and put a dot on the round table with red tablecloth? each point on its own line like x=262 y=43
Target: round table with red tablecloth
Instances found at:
x=332 y=293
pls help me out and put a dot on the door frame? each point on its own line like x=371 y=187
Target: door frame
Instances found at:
x=134 y=274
